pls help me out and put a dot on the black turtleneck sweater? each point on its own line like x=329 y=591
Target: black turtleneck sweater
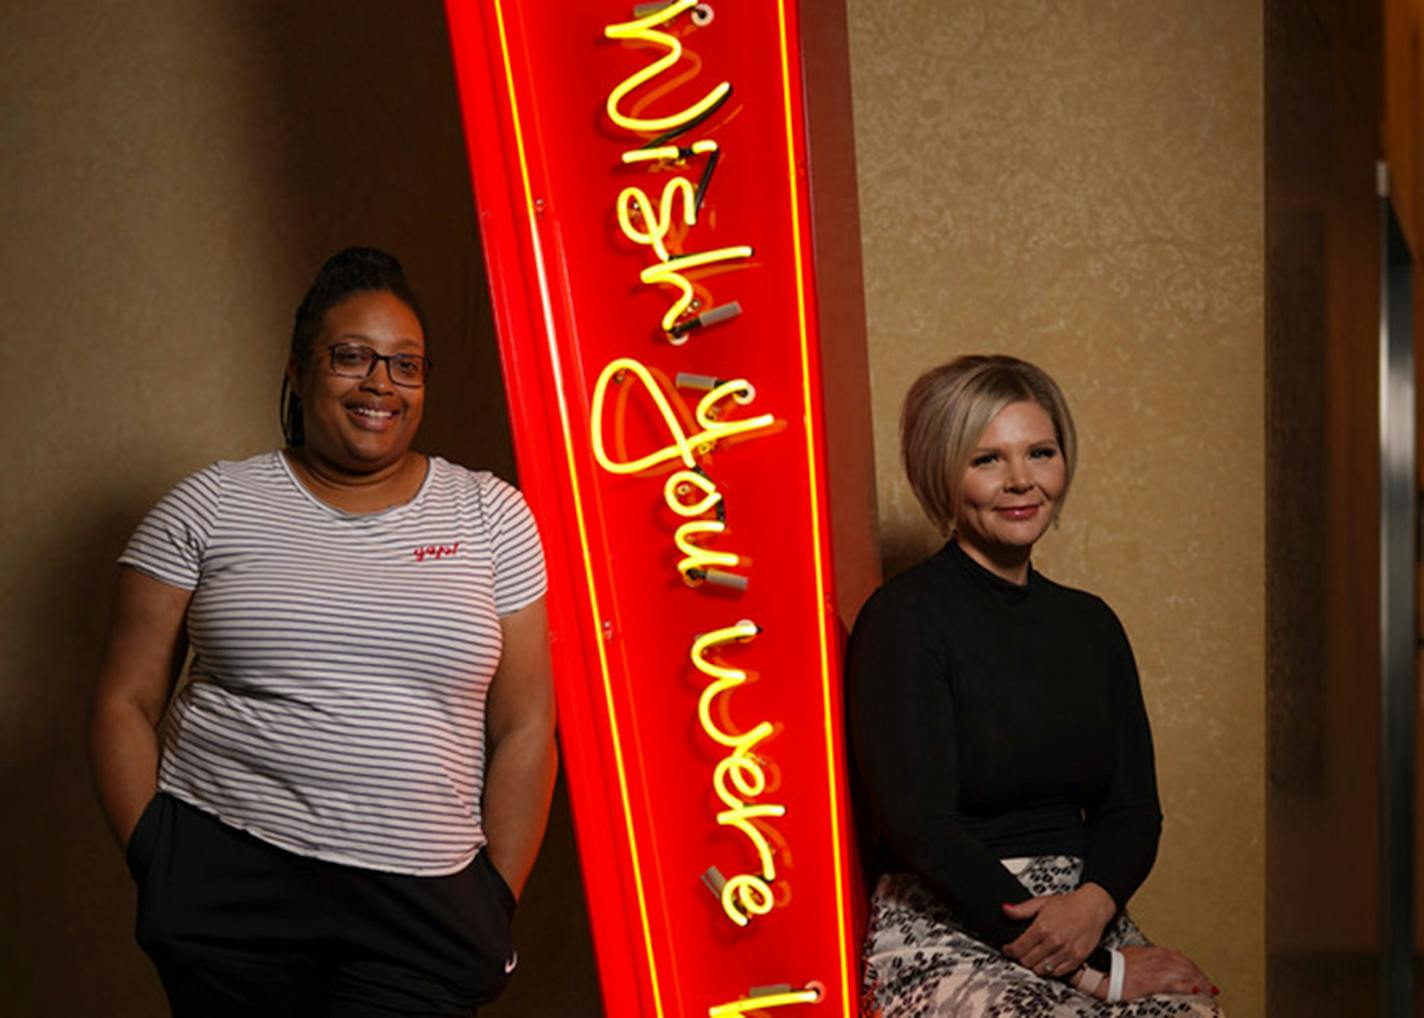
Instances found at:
x=989 y=721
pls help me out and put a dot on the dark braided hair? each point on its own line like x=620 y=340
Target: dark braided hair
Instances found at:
x=346 y=273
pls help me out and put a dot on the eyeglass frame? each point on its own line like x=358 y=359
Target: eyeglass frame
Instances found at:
x=427 y=365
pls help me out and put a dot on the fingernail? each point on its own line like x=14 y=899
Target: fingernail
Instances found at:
x=1196 y=989
x=1215 y=991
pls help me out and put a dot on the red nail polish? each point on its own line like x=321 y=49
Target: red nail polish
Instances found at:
x=1196 y=989
x=1215 y=991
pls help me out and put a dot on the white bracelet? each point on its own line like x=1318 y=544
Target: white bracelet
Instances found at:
x=1088 y=980
x=1119 y=970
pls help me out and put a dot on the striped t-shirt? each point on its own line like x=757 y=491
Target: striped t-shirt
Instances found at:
x=336 y=701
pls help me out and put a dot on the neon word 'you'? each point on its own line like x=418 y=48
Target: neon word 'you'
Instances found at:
x=688 y=491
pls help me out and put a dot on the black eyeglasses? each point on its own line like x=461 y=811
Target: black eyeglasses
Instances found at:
x=352 y=360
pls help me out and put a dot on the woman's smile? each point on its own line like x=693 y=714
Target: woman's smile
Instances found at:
x=1018 y=513
x=373 y=417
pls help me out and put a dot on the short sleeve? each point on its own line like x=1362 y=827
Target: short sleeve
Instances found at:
x=514 y=542
x=170 y=543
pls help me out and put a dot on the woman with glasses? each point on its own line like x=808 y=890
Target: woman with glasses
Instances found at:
x=999 y=730
x=343 y=801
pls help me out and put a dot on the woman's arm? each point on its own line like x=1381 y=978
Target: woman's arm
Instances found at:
x=142 y=658
x=1123 y=827
x=901 y=718
x=520 y=760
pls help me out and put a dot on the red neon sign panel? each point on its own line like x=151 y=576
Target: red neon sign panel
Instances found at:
x=641 y=182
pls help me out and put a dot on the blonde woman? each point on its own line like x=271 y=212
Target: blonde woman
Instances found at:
x=999 y=730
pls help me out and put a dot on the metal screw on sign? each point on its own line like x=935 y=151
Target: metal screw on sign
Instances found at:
x=702 y=15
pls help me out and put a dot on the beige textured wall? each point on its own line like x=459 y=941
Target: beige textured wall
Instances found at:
x=1080 y=183
x=1074 y=182
x=172 y=174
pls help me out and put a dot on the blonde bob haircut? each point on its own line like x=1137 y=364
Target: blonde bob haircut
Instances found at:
x=950 y=406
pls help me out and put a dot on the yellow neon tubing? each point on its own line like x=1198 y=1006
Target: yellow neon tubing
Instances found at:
x=737 y=388
x=657 y=227
x=749 y=738
x=566 y=427
x=698 y=557
x=741 y=818
x=670 y=272
x=643 y=31
x=769 y=1000
x=798 y=256
x=727 y=678
x=710 y=495
x=738 y=761
x=743 y=631
x=732 y=767
x=751 y=892
x=682 y=445
x=668 y=152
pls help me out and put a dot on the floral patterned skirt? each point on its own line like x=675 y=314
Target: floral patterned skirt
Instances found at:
x=920 y=963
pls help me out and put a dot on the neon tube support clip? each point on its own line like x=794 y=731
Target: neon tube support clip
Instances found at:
x=677 y=335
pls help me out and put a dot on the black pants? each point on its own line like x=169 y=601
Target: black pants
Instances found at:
x=238 y=927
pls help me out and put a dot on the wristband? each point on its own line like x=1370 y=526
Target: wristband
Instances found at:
x=1119 y=970
x=1088 y=980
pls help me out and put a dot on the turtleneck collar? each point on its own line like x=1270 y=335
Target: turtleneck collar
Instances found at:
x=1007 y=590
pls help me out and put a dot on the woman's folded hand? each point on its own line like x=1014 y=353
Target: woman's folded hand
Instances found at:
x=1065 y=929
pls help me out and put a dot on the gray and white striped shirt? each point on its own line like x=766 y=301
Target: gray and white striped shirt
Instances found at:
x=336 y=701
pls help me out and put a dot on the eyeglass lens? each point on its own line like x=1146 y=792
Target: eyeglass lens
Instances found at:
x=351 y=360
